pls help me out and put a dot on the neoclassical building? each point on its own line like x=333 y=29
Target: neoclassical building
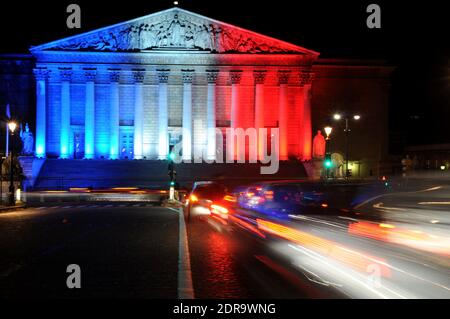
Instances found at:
x=133 y=89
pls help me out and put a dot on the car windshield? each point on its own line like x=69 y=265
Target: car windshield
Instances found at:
x=210 y=191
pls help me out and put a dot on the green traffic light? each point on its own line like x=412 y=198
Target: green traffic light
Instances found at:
x=328 y=163
x=171 y=156
x=172 y=183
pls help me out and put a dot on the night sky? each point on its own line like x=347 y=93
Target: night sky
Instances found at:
x=414 y=37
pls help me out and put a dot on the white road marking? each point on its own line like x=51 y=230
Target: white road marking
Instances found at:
x=434 y=203
x=368 y=201
x=396 y=193
x=380 y=206
x=185 y=287
x=431 y=189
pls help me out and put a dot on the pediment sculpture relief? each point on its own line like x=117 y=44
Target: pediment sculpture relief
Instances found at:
x=175 y=31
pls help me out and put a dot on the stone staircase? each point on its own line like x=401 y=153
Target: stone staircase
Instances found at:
x=57 y=174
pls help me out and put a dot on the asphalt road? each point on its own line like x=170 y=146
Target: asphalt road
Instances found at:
x=142 y=250
x=132 y=250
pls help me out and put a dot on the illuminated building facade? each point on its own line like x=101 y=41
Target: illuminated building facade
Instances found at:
x=133 y=89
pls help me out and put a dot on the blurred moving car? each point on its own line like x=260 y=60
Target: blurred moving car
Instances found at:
x=281 y=198
x=204 y=198
x=287 y=202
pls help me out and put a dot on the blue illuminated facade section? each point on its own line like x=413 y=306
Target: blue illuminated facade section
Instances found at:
x=102 y=121
x=41 y=75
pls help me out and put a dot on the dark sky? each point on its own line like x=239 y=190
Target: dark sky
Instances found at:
x=414 y=37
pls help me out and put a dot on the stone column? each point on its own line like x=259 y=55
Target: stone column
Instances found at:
x=283 y=78
x=41 y=75
x=235 y=77
x=138 y=138
x=211 y=77
x=114 y=133
x=65 y=76
x=163 y=118
x=306 y=79
x=89 y=115
x=260 y=77
x=187 y=114
x=235 y=121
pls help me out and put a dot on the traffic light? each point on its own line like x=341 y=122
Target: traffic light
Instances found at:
x=171 y=167
x=172 y=173
x=328 y=163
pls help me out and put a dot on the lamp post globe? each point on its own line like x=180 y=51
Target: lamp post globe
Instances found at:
x=328 y=130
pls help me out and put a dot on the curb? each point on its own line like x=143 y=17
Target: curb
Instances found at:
x=11 y=208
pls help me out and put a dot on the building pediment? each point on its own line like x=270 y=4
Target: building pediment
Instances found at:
x=173 y=29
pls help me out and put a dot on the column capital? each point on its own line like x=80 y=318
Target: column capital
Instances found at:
x=163 y=75
x=41 y=73
x=211 y=76
x=187 y=76
x=65 y=74
x=114 y=75
x=138 y=75
x=283 y=76
x=89 y=74
x=235 y=76
x=260 y=76
x=306 y=78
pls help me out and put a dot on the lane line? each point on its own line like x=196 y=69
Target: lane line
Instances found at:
x=185 y=287
x=396 y=193
x=434 y=203
x=380 y=206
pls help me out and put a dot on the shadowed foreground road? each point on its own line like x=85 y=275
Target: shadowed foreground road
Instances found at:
x=122 y=251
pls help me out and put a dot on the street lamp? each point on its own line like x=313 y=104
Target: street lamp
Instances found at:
x=346 y=117
x=328 y=130
x=12 y=127
x=327 y=162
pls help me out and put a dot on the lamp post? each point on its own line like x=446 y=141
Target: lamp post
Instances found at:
x=12 y=127
x=346 y=117
x=328 y=161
